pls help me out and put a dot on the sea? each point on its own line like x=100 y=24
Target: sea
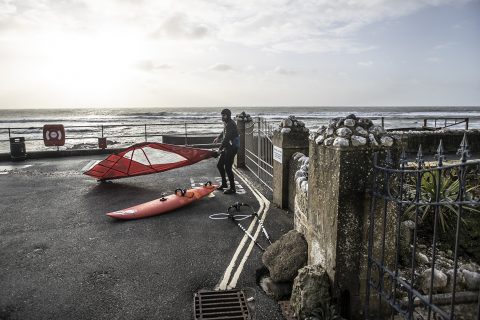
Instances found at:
x=126 y=126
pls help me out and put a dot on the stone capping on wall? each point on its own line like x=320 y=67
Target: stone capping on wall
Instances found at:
x=352 y=131
x=291 y=125
x=245 y=117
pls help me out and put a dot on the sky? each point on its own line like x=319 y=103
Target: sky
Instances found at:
x=199 y=53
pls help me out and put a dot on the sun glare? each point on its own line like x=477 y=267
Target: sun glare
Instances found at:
x=94 y=65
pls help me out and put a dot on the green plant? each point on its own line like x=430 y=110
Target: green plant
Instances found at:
x=325 y=311
x=449 y=188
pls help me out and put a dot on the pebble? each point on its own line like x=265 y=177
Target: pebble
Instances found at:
x=340 y=142
x=344 y=132
x=349 y=122
x=472 y=279
x=386 y=141
x=358 y=141
x=287 y=123
x=440 y=280
x=422 y=258
x=372 y=139
x=304 y=186
x=321 y=130
x=361 y=131
x=377 y=130
x=328 y=141
x=320 y=139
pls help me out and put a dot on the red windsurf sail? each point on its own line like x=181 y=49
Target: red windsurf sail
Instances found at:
x=146 y=158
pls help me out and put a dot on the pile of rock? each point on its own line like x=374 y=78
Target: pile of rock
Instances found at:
x=301 y=175
x=243 y=117
x=283 y=259
x=311 y=291
x=468 y=272
x=291 y=124
x=352 y=131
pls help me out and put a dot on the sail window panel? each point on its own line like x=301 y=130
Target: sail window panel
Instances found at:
x=147 y=156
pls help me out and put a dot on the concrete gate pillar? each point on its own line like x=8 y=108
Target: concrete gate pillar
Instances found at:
x=243 y=120
x=340 y=171
x=291 y=137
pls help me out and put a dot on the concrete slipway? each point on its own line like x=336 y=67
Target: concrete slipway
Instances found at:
x=62 y=258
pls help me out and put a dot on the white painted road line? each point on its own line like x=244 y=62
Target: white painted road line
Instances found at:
x=264 y=206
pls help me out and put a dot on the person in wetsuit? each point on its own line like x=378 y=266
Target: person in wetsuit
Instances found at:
x=230 y=142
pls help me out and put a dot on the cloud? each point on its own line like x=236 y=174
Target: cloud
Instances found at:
x=150 y=66
x=434 y=60
x=444 y=45
x=365 y=64
x=221 y=67
x=180 y=26
x=312 y=26
x=283 y=71
x=272 y=25
x=7 y=9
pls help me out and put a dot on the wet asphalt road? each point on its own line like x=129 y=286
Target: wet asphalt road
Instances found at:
x=62 y=258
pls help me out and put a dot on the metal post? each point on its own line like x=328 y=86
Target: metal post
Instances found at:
x=383 y=122
x=186 y=135
x=466 y=123
x=258 y=147
x=146 y=133
x=102 y=130
x=9 y=136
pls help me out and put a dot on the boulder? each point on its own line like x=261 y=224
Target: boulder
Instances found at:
x=277 y=290
x=472 y=279
x=311 y=290
x=440 y=280
x=285 y=256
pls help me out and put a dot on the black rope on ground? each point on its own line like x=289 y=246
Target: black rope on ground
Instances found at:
x=234 y=218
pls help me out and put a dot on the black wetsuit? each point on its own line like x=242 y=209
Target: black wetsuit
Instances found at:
x=230 y=144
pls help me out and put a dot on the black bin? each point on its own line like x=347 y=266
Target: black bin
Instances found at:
x=17 y=148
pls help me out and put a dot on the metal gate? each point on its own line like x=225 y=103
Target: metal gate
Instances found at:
x=419 y=217
x=259 y=150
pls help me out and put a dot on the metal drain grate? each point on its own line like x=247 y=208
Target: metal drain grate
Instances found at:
x=218 y=305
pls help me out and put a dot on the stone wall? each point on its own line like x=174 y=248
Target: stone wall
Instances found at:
x=298 y=195
x=430 y=139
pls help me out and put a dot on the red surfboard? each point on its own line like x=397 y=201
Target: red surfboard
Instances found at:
x=177 y=200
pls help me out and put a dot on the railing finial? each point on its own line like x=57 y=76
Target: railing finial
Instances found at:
x=440 y=153
x=464 y=151
x=403 y=157
x=419 y=158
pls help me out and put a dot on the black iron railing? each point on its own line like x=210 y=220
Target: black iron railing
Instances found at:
x=435 y=200
x=259 y=150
